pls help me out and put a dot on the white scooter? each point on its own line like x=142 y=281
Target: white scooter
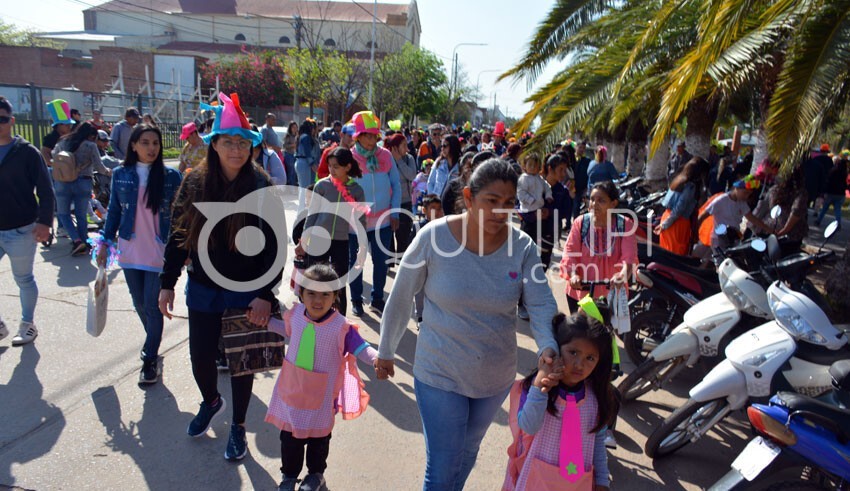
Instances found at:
x=740 y=306
x=759 y=363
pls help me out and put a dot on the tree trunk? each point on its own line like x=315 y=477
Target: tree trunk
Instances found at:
x=617 y=154
x=637 y=158
x=656 y=168
x=702 y=114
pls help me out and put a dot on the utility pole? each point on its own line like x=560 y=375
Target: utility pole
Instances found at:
x=372 y=51
x=295 y=104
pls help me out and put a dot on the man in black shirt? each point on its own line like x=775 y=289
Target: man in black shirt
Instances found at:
x=24 y=221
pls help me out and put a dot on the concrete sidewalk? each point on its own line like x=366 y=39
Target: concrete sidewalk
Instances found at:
x=74 y=418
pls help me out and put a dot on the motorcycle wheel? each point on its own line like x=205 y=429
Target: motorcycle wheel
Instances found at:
x=650 y=324
x=673 y=434
x=649 y=375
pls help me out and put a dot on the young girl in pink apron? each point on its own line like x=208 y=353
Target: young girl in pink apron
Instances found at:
x=318 y=379
x=558 y=417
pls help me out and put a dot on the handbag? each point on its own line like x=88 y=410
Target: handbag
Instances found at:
x=97 y=303
x=250 y=348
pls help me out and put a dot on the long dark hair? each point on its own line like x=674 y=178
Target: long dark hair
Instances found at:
x=306 y=128
x=82 y=133
x=156 y=179
x=581 y=326
x=454 y=148
x=207 y=182
x=695 y=172
x=790 y=186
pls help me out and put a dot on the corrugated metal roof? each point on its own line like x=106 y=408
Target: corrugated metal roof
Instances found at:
x=331 y=11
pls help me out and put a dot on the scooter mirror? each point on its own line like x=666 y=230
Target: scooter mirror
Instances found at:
x=720 y=230
x=758 y=245
x=830 y=230
x=775 y=212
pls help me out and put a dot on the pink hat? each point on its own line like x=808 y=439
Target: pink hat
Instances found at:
x=499 y=130
x=188 y=129
x=366 y=122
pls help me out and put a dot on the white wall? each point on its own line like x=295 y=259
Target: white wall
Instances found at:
x=223 y=29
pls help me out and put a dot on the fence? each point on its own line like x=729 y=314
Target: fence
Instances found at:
x=33 y=122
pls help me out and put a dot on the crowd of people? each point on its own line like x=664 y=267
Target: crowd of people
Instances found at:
x=437 y=204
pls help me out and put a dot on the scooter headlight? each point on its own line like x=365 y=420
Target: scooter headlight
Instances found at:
x=740 y=300
x=794 y=323
x=762 y=358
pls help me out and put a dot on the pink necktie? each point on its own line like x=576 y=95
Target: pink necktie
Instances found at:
x=571 y=456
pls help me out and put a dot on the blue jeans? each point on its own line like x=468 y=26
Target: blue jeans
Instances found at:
x=379 y=263
x=454 y=426
x=837 y=201
x=78 y=193
x=289 y=167
x=19 y=245
x=144 y=290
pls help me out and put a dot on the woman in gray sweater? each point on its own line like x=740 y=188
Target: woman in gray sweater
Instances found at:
x=472 y=267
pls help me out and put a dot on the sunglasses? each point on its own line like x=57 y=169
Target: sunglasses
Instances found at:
x=5 y=119
x=445 y=145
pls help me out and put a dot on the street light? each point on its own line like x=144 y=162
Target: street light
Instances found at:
x=478 y=80
x=452 y=88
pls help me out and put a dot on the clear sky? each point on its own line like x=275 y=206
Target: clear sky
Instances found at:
x=504 y=25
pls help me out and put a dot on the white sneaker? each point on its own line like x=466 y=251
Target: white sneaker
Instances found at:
x=4 y=331
x=26 y=334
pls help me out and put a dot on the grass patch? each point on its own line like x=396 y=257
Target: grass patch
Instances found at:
x=170 y=153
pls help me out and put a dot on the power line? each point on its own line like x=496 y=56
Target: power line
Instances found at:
x=392 y=29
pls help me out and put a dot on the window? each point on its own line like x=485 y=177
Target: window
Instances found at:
x=330 y=42
x=240 y=37
x=369 y=45
x=283 y=40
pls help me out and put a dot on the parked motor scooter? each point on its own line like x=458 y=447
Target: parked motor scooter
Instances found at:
x=798 y=437
x=792 y=352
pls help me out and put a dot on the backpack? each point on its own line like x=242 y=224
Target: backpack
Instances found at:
x=65 y=167
x=620 y=226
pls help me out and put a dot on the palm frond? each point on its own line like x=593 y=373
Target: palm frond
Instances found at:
x=565 y=19
x=817 y=66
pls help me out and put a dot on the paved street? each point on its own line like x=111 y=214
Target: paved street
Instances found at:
x=74 y=418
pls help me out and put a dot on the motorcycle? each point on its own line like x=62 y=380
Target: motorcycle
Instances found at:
x=795 y=431
x=668 y=291
x=667 y=287
x=792 y=352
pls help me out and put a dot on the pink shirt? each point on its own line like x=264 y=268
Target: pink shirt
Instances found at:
x=144 y=250
x=597 y=259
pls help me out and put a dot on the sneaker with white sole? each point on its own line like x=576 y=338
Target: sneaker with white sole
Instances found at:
x=26 y=334
x=237 y=444
x=205 y=417
x=4 y=331
x=313 y=482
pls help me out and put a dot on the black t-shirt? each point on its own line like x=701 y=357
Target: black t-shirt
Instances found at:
x=51 y=139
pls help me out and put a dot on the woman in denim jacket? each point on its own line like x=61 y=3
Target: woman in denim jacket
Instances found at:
x=140 y=214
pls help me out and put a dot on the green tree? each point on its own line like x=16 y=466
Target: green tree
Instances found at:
x=323 y=76
x=258 y=78
x=11 y=35
x=407 y=83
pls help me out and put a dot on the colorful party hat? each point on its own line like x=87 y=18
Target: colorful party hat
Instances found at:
x=230 y=120
x=366 y=122
x=60 y=112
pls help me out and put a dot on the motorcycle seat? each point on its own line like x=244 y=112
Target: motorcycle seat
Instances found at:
x=696 y=283
x=798 y=402
x=819 y=355
x=840 y=373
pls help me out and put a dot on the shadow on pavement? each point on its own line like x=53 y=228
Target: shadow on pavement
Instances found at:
x=24 y=413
